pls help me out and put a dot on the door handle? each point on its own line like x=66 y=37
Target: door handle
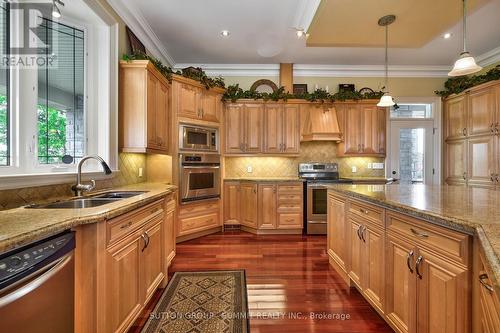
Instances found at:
x=145 y=242
x=363 y=229
x=148 y=239
x=465 y=175
x=417 y=266
x=492 y=128
x=359 y=228
x=483 y=277
x=464 y=131
x=408 y=258
x=492 y=177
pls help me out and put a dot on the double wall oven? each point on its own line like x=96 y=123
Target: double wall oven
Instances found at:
x=199 y=177
x=317 y=176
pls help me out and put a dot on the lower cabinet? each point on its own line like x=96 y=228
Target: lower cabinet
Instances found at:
x=264 y=206
x=198 y=217
x=416 y=275
x=486 y=304
x=120 y=263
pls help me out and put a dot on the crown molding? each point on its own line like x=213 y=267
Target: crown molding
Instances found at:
x=305 y=14
x=320 y=70
x=133 y=18
x=489 y=57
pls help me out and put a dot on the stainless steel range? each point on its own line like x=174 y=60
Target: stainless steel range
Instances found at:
x=317 y=176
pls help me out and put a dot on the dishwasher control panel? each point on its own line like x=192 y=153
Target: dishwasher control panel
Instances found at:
x=22 y=259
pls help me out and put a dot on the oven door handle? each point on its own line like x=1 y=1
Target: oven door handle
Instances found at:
x=201 y=167
x=37 y=279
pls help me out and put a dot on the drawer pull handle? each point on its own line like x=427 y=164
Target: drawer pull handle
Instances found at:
x=419 y=234
x=125 y=226
x=289 y=220
x=363 y=229
x=145 y=242
x=408 y=258
x=417 y=266
x=483 y=277
x=364 y=211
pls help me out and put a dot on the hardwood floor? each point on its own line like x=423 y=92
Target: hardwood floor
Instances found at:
x=286 y=275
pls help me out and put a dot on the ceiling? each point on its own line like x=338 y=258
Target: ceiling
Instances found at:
x=337 y=23
x=188 y=32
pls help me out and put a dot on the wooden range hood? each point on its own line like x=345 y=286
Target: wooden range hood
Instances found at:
x=320 y=121
x=321 y=124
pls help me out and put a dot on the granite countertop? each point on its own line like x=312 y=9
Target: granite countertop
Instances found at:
x=20 y=226
x=474 y=211
x=265 y=179
x=368 y=179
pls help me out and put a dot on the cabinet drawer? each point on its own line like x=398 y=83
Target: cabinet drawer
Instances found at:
x=367 y=211
x=122 y=225
x=290 y=197
x=290 y=189
x=289 y=207
x=196 y=208
x=198 y=223
x=453 y=244
x=289 y=221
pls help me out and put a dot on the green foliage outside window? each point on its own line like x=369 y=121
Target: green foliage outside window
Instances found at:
x=51 y=134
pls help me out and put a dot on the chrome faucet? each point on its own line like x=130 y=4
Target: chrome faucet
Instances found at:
x=79 y=188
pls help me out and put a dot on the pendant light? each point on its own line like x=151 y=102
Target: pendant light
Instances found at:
x=386 y=100
x=465 y=64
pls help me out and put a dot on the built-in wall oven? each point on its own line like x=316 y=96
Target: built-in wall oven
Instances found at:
x=198 y=138
x=199 y=177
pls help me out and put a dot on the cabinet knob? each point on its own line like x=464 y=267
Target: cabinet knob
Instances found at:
x=464 y=175
x=482 y=279
x=464 y=131
x=408 y=259
x=417 y=266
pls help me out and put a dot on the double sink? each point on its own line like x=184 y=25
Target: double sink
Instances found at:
x=89 y=202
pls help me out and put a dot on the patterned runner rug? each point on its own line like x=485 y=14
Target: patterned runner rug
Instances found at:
x=214 y=301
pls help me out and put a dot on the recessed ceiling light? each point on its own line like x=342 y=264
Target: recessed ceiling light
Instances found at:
x=300 y=33
x=447 y=35
x=225 y=33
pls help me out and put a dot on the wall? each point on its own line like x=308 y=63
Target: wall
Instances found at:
x=235 y=167
x=407 y=87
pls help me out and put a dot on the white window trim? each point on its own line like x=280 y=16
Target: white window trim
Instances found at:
x=437 y=115
x=106 y=106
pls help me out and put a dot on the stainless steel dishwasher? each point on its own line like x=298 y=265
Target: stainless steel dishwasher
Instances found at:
x=37 y=286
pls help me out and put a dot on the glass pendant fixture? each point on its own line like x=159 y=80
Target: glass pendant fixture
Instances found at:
x=466 y=64
x=386 y=100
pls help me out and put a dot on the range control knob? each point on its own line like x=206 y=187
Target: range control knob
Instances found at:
x=15 y=261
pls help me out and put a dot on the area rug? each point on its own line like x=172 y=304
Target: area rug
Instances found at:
x=213 y=301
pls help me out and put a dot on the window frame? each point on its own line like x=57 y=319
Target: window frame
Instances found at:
x=101 y=68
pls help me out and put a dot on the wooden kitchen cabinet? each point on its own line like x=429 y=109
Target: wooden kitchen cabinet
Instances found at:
x=267 y=206
x=152 y=261
x=364 y=130
x=482 y=119
x=231 y=203
x=253 y=125
x=170 y=232
x=249 y=205
x=336 y=235
x=196 y=217
x=243 y=128
x=486 y=307
x=199 y=103
x=455 y=118
x=145 y=96
x=234 y=130
x=374 y=278
x=456 y=162
x=273 y=128
x=482 y=167
x=291 y=130
x=355 y=252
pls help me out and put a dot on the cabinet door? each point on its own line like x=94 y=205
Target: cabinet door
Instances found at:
x=248 y=205
x=336 y=235
x=170 y=232
x=400 y=283
x=489 y=312
x=161 y=116
x=352 y=129
x=291 y=130
x=374 y=275
x=456 y=161
x=123 y=292
x=231 y=203
x=267 y=206
x=253 y=128
x=189 y=101
x=482 y=105
x=152 y=92
x=355 y=252
x=210 y=106
x=273 y=128
x=151 y=260
x=455 y=117
x=370 y=131
x=233 y=127
x=443 y=300
x=482 y=164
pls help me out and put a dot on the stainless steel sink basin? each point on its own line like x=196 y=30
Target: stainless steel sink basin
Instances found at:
x=76 y=203
x=119 y=194
x=94 y=201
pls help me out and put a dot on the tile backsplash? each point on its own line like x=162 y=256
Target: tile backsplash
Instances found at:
x=309 y=152
x=129 y=165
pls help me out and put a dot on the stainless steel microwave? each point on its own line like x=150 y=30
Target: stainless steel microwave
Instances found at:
x=198 y=138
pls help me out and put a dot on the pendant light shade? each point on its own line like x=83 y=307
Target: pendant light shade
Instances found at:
x=465 y=64
x=386 y=100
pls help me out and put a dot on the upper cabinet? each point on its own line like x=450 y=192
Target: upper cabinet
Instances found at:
x=364 y=129
x=281 y=129
x=199 y=103
x=482 y=109
x=144 y=108
x=243 y=128
x=455 y=117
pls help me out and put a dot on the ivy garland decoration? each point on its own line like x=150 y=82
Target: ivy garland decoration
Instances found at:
x=198 y=74
x=458 y=84
x=234 y=92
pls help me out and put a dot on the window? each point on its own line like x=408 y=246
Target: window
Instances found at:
x=49 y=115
x=60 y=109
x=411 y=111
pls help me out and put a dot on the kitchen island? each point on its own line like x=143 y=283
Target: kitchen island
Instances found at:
x=423 y=256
